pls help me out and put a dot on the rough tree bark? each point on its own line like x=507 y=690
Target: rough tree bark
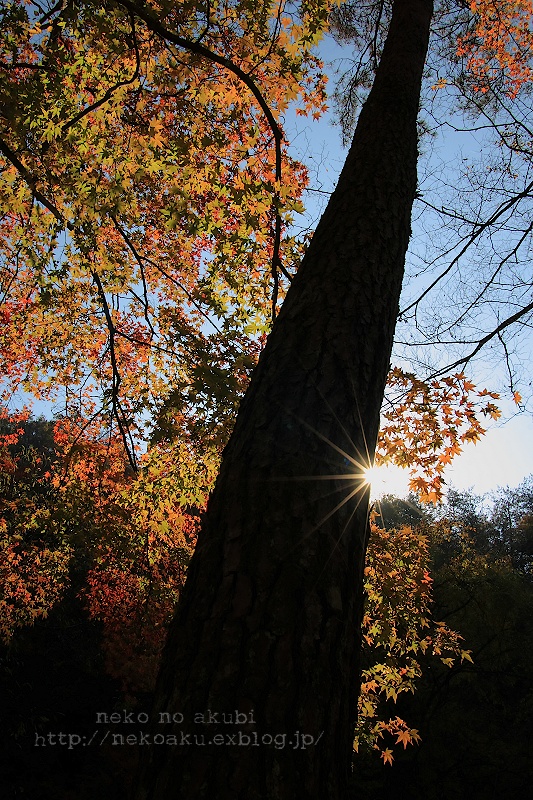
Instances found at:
x=268 y=624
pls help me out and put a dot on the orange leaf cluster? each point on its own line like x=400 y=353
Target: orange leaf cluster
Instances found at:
x=32 y=580
x=428 y=424
x=498 y=46
x=397 y=631
x=139 y=189
x=127 y=539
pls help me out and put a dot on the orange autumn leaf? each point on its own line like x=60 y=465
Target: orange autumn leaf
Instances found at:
x=497 y=45
x=426 y=424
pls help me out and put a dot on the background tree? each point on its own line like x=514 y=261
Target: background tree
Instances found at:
x=472 y=717
x=512 y=519
x=91 y=564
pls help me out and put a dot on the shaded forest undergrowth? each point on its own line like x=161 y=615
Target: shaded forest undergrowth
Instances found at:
x=92 y=564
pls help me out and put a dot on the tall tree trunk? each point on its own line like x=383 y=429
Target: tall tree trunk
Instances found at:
x=268 y=624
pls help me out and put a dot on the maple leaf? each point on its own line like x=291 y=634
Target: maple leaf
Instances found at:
x=404 y=737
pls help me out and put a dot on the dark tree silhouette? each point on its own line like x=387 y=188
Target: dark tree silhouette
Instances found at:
x=269 y=618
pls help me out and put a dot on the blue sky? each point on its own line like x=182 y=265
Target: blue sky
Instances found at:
x=504 y=456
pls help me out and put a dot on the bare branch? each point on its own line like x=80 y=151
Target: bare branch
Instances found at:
x=500 y=211
x=23 y=65
x=118 y=411
x=461 y=362
x=32 y=183
x=112 y=89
